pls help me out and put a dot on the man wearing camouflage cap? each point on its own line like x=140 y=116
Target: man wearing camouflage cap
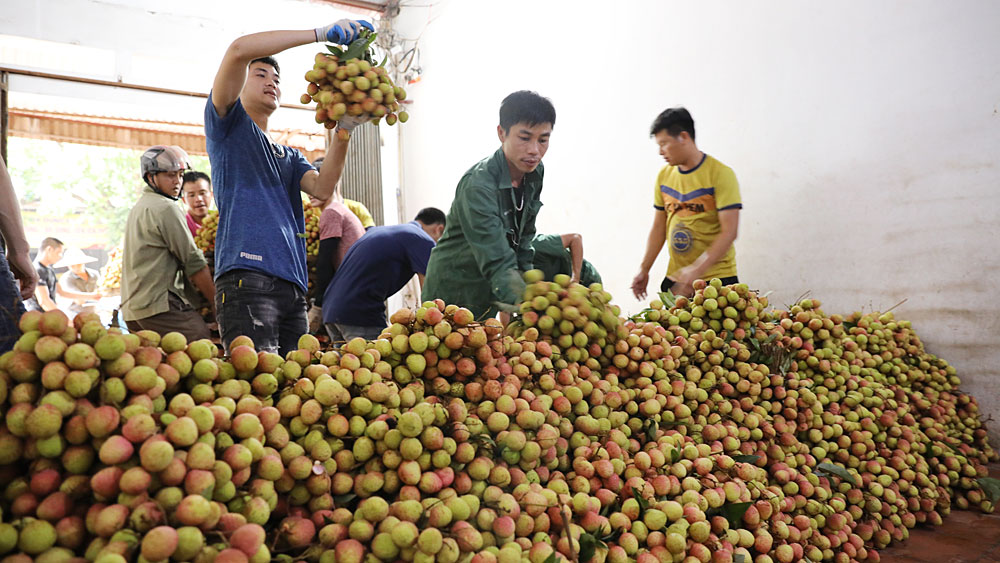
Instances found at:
x=160 y=255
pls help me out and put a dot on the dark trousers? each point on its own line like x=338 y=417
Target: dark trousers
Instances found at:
x=668 y=283
x=11 y=307
x=268 y=309
x=180 y=318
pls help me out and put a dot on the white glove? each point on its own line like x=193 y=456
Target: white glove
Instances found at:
x=349 y=122
x=341 y=32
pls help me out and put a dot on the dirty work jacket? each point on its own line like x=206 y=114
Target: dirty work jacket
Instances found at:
x=159 y=257
x=487 y=240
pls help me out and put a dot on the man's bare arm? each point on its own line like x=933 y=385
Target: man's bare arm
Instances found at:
x=202 y=279
x=13 y=233
x=574 y=242
x=232 y=72
x=322 y=185
x=657 y=236
x=44 y=299
x=63 y=291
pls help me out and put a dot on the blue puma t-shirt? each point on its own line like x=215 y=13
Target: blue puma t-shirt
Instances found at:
x=256 y=185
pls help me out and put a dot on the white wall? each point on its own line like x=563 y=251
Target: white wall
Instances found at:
x=865 y=138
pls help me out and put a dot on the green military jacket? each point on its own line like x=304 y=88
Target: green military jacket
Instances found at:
x=158 y=257
x=552 y=258
x=487 y=240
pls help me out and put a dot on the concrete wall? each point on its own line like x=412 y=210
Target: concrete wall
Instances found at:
x=865 y=139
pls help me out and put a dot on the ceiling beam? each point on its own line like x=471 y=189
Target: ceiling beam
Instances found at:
x=85 y=80
x=361 y=4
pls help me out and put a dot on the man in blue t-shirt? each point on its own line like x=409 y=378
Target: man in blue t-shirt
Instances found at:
x=377 y=266
x=260 y=254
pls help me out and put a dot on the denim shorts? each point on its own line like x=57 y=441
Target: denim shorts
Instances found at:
x=268 y=309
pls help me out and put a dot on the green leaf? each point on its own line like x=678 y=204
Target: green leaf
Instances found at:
x=733 y=512
x=359 y=46
x=771 y=338
x=641 y=316
x=668 y=298
x=675 y=455
x=991 y=487
x=954 y=448
x=832 y=469
x=342 y=500
x=746 y=458
x=613 y=536
x=301 y=235
x=651 y=430
x=551 y=558
x=643 y=503
x=335 y=50
x=385 y=58
x=588 y=546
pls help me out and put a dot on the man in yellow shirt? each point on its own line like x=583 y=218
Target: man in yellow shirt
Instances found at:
x=697 y=202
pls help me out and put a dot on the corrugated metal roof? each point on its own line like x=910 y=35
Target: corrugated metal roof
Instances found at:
x=138 y=134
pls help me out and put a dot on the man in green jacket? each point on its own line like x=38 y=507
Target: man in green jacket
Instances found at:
x=563 y=254
x=486 y=245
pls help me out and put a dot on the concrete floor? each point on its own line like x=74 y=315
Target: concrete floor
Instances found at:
x=965 y=537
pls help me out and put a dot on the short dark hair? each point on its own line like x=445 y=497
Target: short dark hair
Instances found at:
x=673 y=121
x=194 y=176
x=50 y=242
x=269 y=60
x=431 y=216
x=526 y=107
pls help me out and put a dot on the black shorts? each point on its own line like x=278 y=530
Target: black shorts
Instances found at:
x=668 y=283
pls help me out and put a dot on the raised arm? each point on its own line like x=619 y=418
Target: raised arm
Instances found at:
x=232 y=72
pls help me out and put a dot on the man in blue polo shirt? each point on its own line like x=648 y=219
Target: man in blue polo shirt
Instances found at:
x=377 y=266
x=260 y=252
